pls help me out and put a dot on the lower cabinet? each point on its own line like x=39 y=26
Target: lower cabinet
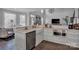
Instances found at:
x=20 y=41
x=72 y=37
x=39 y=36
x=26 y=41
x=48 y=35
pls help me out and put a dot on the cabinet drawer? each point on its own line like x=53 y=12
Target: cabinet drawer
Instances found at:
x=48 y=33
x=73 y=36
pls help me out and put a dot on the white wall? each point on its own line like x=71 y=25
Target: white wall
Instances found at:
x=1 y=18
x=60 y=13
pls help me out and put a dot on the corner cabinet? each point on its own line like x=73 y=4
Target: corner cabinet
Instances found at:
x=39 y=36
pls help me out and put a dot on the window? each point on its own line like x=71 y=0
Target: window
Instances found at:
x=22 y=20
x=9 y=20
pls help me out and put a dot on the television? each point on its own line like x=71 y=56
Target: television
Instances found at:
x=55 y=21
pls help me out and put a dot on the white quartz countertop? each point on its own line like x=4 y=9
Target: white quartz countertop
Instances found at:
x=23 y=30
x=28 y=30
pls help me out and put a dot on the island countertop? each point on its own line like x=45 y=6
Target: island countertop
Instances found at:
x=23 y=30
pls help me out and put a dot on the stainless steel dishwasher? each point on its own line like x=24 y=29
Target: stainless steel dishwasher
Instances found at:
x=30 y=40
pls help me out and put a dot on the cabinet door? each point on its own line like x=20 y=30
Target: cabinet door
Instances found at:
x=39 y=36
x=30 y=40
x=48 y=34
x=20 y=41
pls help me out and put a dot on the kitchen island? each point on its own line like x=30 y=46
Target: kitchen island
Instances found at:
x=34 y=35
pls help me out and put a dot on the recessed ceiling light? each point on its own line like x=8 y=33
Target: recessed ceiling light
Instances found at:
x=42 y=11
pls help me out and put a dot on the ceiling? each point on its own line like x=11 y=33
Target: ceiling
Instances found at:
x=35 y=9
x=24 y=9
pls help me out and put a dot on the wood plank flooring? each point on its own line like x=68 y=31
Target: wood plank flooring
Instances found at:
x=46 y=45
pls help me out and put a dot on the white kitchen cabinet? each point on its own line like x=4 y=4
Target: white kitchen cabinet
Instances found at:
x=48 y=35
x=39 y=36
x=71 y=38
x=20 y=41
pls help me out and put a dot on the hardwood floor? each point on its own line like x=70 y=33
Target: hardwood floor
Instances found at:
x=46 y=45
